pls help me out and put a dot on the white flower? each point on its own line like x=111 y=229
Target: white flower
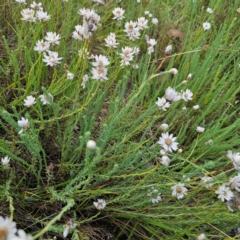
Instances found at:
x=51 y=59
x=209 y=10
x=146 y=12
x=100 y=204
x=187 y=95
x=168 y=49
x=132 y=30
x=91 y=144
x=99 y=73
x=111 y=41
x=36 y=6
x=29 y=101
x=196 y=107
x=42 y=46
x=210 y=141
x=85 y=79
x=163 y=126
x=142 y=23
x=70 y=224
x=80 y=33
x=235 y=182
x=42 y=16
x=24 y=124
x=126 y=56
x=46 y=99
x=154 y=20
x=28 y=15
x=200 y=129
x=165 y=160
x=118 y=13
x=224 y=193
x=207 y=182
x=101 y=61
x=163 y=152
x=5 y=161
x=7 y=228
x=171 y=95
x=163 y=104
x=53 y=38
x=21 y=1
x=179 y=190
x=167 y=141
x=156 y=199
x=151 y=43
x=235 y=158
x=184 y=108
x=70 y=75
x=22 y=236
x=206 y=26
x=99 y=1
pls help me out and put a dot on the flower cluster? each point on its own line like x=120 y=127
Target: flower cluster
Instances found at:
x=35 y=12
x=99 y=72
x=90 y=24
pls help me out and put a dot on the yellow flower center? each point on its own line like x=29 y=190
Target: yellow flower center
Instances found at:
x=3 y=233
x=168 y=141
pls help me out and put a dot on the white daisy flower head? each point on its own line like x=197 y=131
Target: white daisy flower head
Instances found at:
x=42 y=16
x=165 y=160
x=132 y=30
x=53 y=38
x=126 y=56
x=207 y=181
x=24 y=124
x=99 y=1
x=29 y=101
x=187 y=95
x=163 y=152
x=151 y=43
x=7 y=228
x=156 y=198
x=179 y=190
x=101 y=61
x=42 y=46
x=200 y=129
x=155 y=21
x=70 y=224
x=70 y=75
x=168 y=49
x=146 y=12
x=51 y=58
x=167 y=141
x=142 y=23
x=91 y=144
x=235 y=182
x=224 y=193
x=21 y=1
x=162 y=103
x=36 y=6
x=206 y=26
x=118 y=13
x=111 y=41
x=22 y=236
x=46 y=98
x=79 y=33
x=5 y=161
x=189 y=76
x=171 y=95
x=100 y=204
x=209 y=10
x=99 y=73
x=28 y=15
x=235 y=158
x=238 y=10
